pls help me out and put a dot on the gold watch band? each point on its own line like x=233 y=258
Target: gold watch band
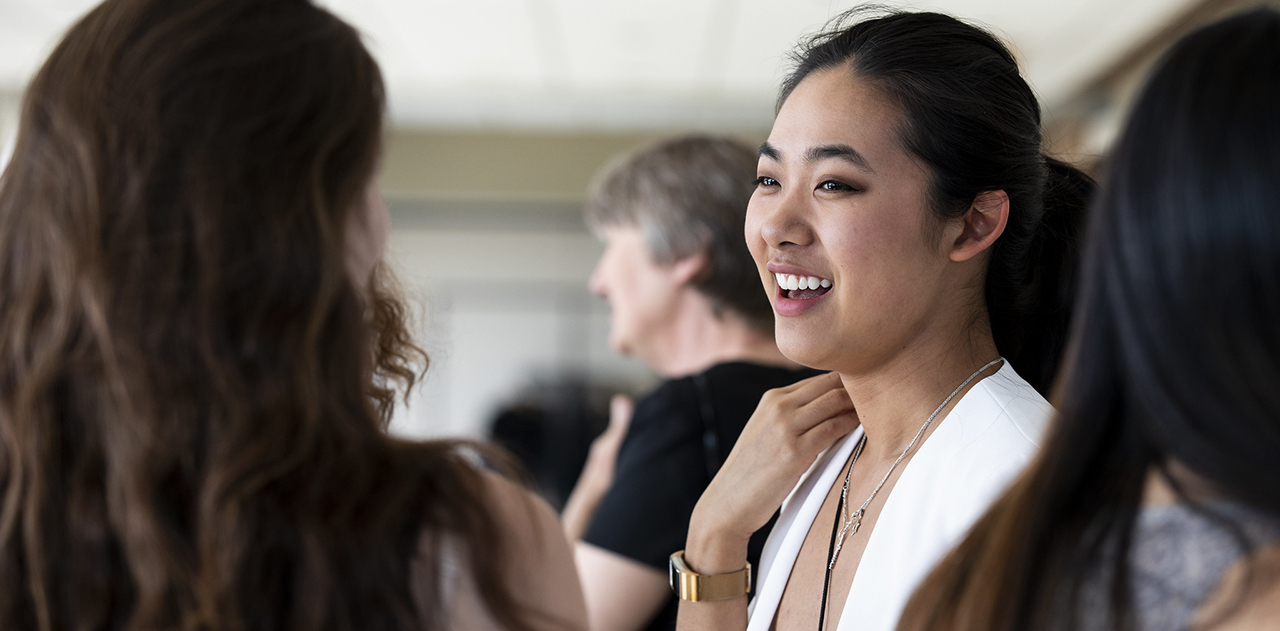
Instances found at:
x=690 y=585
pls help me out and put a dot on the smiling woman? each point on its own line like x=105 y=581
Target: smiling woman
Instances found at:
x=916 y=242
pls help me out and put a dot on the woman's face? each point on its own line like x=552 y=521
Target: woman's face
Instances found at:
x=842 y=207
x=641 y=293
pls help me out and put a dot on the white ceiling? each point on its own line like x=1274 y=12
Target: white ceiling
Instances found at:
x=629 y=64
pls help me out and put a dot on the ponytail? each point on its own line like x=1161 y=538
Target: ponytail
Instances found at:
x=1031 y=326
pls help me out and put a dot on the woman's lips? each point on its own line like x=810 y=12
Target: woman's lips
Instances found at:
x=797 y=293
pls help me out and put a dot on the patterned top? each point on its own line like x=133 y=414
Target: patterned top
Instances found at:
x=1178 y=557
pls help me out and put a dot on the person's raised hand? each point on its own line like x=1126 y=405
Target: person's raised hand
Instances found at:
x=597 y=474
x=787 y=432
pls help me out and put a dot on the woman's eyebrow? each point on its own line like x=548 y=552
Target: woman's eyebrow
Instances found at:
x=823 y=152
x=839 y=152
x=769 y=151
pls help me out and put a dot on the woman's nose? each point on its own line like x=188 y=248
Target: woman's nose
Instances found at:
x=596 y=282
x=784 y=221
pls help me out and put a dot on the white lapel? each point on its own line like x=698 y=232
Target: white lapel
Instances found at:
x=797 y=515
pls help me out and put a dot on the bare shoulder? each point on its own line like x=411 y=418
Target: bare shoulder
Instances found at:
x=535 y=565
x=530 y=523
x=1248 y=597
x=540 y=559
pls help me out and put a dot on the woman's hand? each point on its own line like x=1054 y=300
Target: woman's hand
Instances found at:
x=787 y=432
x=597 y=474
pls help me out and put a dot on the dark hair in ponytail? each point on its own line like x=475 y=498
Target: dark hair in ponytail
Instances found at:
x=971 y=117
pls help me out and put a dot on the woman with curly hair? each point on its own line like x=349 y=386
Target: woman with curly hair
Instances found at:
x=198 y=355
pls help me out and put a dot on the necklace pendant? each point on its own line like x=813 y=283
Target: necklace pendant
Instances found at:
x=850 y=529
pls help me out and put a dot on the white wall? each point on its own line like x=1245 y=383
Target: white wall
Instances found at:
x=9 y=108
x=499 y=307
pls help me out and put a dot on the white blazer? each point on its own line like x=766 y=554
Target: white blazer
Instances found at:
x=973 y=455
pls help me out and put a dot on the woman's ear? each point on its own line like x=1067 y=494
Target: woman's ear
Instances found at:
x=685 y=270
x=982 y=225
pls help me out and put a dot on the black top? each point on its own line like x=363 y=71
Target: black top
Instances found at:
x=680 y=434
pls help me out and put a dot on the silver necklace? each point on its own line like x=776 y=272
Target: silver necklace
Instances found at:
x=852 y=522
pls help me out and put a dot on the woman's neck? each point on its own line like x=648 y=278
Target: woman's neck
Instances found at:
x=1190 y=486
x=896 y=396
x=698 y=339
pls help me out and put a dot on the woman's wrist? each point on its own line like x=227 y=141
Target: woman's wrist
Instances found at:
x=713 y=548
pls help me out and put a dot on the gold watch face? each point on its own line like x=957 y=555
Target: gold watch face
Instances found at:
x=689 y=585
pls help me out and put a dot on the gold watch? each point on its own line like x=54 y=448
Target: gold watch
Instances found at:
x=690 y=585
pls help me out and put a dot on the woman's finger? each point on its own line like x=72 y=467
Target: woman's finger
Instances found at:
x=807 y=389
x=823 y=434
x=831 y=403
x=621 y=408
x=813 y=387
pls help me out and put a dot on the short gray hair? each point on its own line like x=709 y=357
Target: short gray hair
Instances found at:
x=688 y=196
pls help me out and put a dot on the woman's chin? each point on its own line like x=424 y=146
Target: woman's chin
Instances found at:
x=806 y=348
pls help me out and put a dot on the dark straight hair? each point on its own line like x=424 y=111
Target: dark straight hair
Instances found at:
x=1175 y=356
x=969 y=115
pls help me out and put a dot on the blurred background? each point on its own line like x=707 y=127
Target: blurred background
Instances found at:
x=501 y=111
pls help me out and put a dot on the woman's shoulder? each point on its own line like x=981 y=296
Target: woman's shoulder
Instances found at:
x=977 y=451
x=519 y=512
x=539 y=558
x=1248 y=597
x=536 y=562
x=1001 y=414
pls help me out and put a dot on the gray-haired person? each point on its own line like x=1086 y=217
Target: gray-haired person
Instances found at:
x=686 y=299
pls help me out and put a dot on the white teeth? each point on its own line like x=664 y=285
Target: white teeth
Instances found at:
x=792 y=282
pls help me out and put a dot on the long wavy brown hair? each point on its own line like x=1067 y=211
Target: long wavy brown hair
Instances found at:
x=193 y=390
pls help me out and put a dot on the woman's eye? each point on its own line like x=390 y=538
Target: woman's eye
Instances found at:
x=766 y=181
x=832 y=185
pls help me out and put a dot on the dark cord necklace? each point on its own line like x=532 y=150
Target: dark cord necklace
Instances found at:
x=843 y=521
x=835 y=531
